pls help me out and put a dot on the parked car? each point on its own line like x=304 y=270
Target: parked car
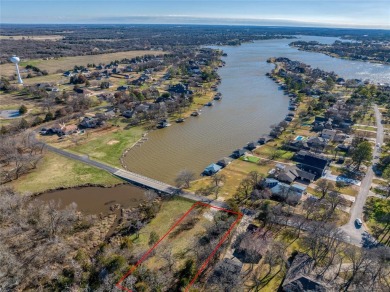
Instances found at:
x=358 y=222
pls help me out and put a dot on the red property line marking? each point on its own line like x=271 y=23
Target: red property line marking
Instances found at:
x=206 y=262
x=239 y=216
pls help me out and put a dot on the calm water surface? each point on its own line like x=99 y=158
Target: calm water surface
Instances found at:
x=96 y=200
x=251 y=103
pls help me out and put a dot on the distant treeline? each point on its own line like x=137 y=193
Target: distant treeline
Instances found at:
x=97 y=39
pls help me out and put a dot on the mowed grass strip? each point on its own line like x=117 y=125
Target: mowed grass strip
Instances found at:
x=55 y=171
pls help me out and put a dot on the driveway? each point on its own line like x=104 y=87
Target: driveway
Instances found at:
x=337 y=178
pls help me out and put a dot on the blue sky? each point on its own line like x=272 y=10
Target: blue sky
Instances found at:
x=333 y=13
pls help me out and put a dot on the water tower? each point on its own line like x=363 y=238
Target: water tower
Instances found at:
x=16 y=60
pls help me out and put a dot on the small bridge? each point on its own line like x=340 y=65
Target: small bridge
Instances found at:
x=143 y=181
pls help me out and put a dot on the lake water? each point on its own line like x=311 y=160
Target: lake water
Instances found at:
x=96 y=200
x=251 y=103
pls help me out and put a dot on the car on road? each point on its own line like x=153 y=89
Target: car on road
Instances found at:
x=358 y=222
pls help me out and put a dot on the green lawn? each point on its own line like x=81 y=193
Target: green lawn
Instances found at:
x=109 y=147
x=55 y=171
x=250 y=158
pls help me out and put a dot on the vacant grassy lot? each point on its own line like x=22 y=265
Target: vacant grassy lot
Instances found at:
x=68 y=63
x=56 y=171
x=179 y=240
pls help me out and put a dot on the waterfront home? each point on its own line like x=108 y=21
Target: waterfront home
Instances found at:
x=224 y=162
x=312 y=163
x=238 y=153
x=212 y=169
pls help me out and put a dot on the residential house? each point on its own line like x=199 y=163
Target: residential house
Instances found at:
x=340 y=137
x=228 y=269
x=88 y=122
x=180 y=88
x=128 y=113
x=62 y=129
x=286 y=192
x=252 y=246
x=312 y=163
x=328 y=134
x=288 y=174
x=317 y=143
x=300 y=276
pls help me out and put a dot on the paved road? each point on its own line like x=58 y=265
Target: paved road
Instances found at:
x=137 y=179
x=359 y=235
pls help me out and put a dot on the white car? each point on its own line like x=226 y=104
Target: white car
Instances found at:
x=358 y=222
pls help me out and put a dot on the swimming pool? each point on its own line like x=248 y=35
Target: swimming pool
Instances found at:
x=299 y=138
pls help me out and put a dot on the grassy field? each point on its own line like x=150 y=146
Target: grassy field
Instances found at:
x=56 y=171
x=67 y=63
x=108 y=146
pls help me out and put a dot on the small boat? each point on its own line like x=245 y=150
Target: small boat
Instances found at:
x=180 y=120
x=195 y=113
x=218 y=96
x=209 y=104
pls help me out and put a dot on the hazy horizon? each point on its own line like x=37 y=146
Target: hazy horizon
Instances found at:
x=303 y=13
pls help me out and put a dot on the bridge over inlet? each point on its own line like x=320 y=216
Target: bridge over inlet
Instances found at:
x=137 y=179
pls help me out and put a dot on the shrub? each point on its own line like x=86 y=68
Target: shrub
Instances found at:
x=22 y=109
